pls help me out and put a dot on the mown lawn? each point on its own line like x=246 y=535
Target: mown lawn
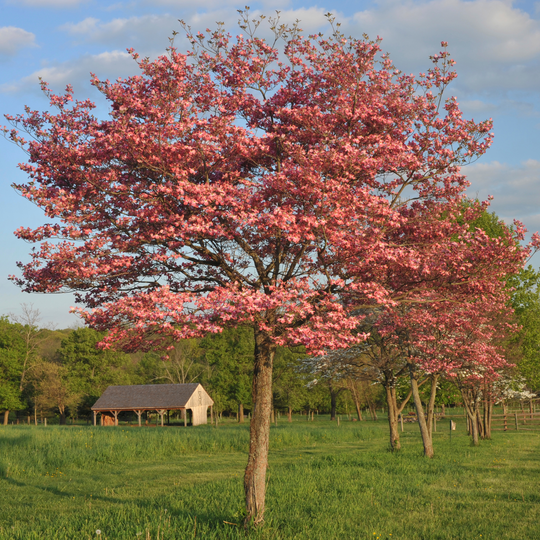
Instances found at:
x=324 y=482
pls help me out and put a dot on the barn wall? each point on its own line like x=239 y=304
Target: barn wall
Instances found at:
x=199 y=398
x=200 y=415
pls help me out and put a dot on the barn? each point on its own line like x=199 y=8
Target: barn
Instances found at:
x=160 y=398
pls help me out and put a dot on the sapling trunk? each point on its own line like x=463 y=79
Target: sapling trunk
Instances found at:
x=471 y=407
x=431 y=404
x=426 y=436
x=241 y=413
x=6 y=418
x=333 y=403
x=395 y=442
x=259 y=431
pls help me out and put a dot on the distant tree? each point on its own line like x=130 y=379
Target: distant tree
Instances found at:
x=183 y=364
x=91 y=369
x=12 y=354
x=289 y=384
x=52 y=388
x=31 y=334
x=525 y=344
x=229 y=375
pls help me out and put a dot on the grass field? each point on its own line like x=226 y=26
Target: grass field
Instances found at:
x=324 y=482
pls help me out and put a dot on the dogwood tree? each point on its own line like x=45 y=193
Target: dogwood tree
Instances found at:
x=247 y=182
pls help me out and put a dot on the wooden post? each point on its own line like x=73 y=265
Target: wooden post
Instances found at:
x=45 y=421
x=434 y=423
x=505 y=424
x=184 y=411
x=139 y=413
x=101 y=419
x=95 y=414
x=516 y=419
x=338 y=421
x=401 y=420
x=115 y=417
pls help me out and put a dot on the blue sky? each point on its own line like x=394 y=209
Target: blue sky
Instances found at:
x=496 y=45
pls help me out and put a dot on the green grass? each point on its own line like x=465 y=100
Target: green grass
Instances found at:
x=324 y=482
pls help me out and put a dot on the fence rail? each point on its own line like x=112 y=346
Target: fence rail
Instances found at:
x=515 y=421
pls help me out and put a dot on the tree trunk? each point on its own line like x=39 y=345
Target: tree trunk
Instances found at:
x=259 y=431
x=391 y=401
x=431 y=404
x=354 y=393
x=6 y=418
x=241 y=413
x=487 y=414
x=480 y=424
x=372 y=410
x=474 y=432
x=289 y=414
x=471 y=407
x=358 y=410
x=426 y=436
x=333 y=404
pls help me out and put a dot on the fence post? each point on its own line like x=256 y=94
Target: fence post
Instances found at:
x=516 y=419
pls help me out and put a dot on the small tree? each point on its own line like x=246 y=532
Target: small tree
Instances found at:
x=52 y=389
x=12 y=355
x=244 y=184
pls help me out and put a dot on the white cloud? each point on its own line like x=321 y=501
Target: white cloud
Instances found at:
x=496 y=45
x=516 y=190
x=110 y=64
x=147 y=31
x=12 y=39
x=47 y=3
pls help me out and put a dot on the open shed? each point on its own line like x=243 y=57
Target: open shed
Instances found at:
x=153 y=397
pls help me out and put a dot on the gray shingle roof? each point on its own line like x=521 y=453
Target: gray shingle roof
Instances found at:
x=148 y=396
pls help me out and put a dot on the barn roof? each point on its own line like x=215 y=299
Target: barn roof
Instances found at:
x=152 y=396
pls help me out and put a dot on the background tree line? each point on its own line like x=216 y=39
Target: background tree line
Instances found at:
x=63 y=372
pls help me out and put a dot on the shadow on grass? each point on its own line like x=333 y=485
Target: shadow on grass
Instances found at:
x=59 y=492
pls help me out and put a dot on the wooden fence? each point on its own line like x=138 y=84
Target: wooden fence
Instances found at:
x=516 y=421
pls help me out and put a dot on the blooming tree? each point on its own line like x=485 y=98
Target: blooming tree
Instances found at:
x=248 y=182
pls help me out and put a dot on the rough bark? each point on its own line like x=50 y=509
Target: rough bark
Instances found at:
x=255 y=475
x=426 y=436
